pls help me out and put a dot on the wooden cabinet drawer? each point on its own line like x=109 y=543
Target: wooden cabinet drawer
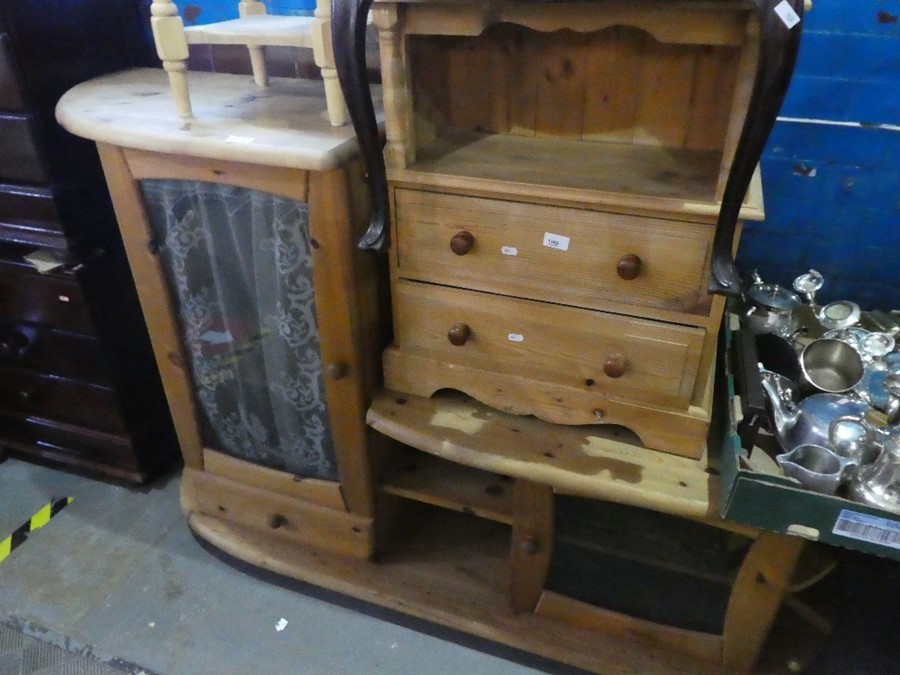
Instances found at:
x=28 y=205
x=36 y=394
x=10 y=93
x=617 y=355
x=556 y=254
x=20 y=160
x=51 y=300
x=78 y=446
x=52 y=351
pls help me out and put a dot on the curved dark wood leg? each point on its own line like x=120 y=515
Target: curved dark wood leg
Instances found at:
x=778 y=53
x=348 y=34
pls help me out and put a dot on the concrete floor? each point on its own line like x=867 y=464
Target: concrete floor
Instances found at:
x=117 y=576
x=117 y=573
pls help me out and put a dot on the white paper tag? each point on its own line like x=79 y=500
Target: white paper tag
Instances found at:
x=509 y=250
x=239 y=139
x=515 y=337
x=867 y=528
x=45 y=260
x=787 y=14
x=556 y=241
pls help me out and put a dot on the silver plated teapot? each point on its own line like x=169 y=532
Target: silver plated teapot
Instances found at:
x=806 y=422
x=769 y=308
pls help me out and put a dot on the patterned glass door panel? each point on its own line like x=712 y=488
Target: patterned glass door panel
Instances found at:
x=239 y=271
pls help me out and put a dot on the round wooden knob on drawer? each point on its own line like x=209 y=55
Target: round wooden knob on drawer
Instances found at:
x=629 y=267
x=14 y=344
x=276 y=520
x=614 y=366
x=531 y=546
x=462 y=242
x=337 y=371
x=30 y=395
x=459 y=334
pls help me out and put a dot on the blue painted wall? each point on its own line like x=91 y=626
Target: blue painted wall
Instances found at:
x=206 y=11
x=832 y=187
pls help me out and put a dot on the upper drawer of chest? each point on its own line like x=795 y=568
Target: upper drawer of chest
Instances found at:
x=28 y=205
x=564 y=255
x=20 y=160
x=10 y=94
x=50 y=300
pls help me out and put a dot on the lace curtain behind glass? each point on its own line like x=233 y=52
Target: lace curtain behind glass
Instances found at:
x=239 y=271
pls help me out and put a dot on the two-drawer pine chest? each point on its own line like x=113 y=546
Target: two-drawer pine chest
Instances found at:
x=555 y=173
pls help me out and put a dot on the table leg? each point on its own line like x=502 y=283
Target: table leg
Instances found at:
x=532 y=543
x=758 y=592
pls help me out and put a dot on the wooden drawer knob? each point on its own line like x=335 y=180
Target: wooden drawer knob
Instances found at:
x=629 y=267
x=337 y=371
x=14 y=344
x=31 y=395
x=614 y=366
x=531 y=546
x=459 y=334
x=462 y=242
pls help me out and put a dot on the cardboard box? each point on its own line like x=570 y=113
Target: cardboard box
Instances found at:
x=755 y=495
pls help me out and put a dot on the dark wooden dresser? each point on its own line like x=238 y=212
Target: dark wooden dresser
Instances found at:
x=78 y=382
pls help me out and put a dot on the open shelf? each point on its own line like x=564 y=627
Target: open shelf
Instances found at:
x=600 y=461
x=603 y=106
x=432 y=480
x=640 y=170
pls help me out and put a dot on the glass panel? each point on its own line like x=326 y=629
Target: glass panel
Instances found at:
x=239 y=272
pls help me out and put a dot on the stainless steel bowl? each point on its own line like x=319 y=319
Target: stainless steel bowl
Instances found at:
x=831 y=365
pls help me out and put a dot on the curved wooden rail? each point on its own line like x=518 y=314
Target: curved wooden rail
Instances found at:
x=348 y=31
x=778 y=53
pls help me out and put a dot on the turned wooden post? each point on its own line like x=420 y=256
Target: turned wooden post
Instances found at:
x=257 y=53
x=172 y=49
x=399 y=150
x=251 y=7
x=323 y=53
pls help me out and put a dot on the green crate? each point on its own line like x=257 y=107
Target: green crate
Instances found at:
x=778 y=504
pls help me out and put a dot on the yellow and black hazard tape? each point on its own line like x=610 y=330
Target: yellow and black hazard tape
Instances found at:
x=38 y=520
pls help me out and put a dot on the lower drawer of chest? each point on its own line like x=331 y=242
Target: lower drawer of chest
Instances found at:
x=29 y=393
x=43 y=348
x=50 y=300
x=70 y=444
x=617 y=355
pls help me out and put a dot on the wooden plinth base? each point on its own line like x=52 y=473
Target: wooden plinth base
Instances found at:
x=454 y=574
